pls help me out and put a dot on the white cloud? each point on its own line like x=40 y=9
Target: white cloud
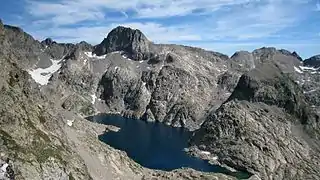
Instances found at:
x=245 y=19
x=318 y=6
x=154 y=31
x=216 y=20
x=256 y=21
x=64 y=10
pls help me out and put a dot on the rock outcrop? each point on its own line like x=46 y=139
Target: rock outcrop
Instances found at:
x=173 y=89
x=265 y=127
x=133 y=42
x=314 y=61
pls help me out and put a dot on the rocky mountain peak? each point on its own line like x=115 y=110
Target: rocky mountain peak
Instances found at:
x=288 y=53
x=13 y=28
x=295 y=54
x=314 y=61
x=131 y=41
x=239 y=53
x=47 y=41
x=268 y=84
x=265 y=50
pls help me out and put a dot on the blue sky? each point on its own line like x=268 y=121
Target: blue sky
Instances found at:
x=220 y=25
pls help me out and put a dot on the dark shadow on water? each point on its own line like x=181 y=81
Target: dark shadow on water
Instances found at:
x=155 y=145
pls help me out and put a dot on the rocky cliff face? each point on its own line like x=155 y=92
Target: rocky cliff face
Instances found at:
x=314 y=61
x=30 y=134
x=132 y=42
x=170 y=89
x=173 y=84
x=265 y=127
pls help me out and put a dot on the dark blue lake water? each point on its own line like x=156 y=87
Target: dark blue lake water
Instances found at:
x=154 y=145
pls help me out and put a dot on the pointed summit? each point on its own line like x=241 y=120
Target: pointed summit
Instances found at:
x=314 y=61
x=47 y=41
x=132 y=41
x=295 y=54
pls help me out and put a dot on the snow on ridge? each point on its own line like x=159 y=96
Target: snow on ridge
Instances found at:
x=42 y=76
x=305 y=68
x=92 y=55
x=297 y=69
x=311 y=91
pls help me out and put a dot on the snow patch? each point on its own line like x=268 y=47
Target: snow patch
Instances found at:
x=115 y=52
x=161 y=67
x=4 y=167
x=94 y=97
x=306 y=68
x=42 y=76
x=70 y=122
x=300 y=82
x=92 y=55
x=116 y=68
x=125 y=57
x=205 y=152
x=297 y=69
x=215 y=158
x=85 y=61
x=3 y=170
x=241 y=65
x=311 y=91
x=140 y=61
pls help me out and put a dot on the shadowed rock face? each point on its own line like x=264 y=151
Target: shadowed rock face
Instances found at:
x=133 y=42
x=270 y=86
x=265 y=127
x=313 y=61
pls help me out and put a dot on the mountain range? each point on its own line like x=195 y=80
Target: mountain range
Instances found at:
x=255 y=111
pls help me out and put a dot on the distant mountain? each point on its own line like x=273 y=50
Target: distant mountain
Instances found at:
x=313 y=61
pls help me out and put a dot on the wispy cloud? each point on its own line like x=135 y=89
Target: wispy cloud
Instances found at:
x=318 y=6
x=208 y=23
x=64 y=10
x=94 y=34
